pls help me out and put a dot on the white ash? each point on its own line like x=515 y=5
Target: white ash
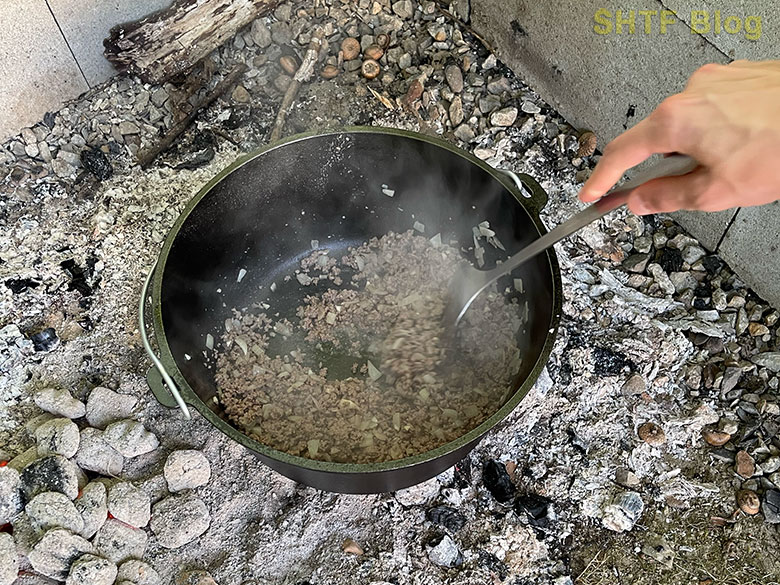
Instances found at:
x=53 y=509
x=10 y=494
x=138 y=573
x=91 y=570
x=95 y=454
x=179 y=519
x=129 y=504
x=59 y=402
x=9 y=559
x=93 y=507
x=54 y=554
x=120 y=542
x=186 y=469
x=130 y=438
x=59 y=436
x=105 y=406
x=419 y=494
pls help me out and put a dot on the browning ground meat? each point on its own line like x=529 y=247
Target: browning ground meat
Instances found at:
x=410 y=386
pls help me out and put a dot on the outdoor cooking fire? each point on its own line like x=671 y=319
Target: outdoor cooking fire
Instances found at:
x=293 y=407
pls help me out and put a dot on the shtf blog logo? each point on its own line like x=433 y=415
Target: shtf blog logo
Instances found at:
x=651 y=21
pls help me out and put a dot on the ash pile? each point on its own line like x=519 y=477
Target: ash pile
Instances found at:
x=647 y=452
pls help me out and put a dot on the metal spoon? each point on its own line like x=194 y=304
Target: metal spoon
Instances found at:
x=469 y=282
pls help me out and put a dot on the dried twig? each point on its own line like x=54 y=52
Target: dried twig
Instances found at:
x=147 y=156
x=303 y=74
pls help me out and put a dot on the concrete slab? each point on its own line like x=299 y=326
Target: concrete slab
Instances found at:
x=752 y=249
x=747 y=29
x=708 y=228
x=86 y=23
x=37 y=71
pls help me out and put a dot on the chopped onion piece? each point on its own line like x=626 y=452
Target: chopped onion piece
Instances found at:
x=485 y=230
x=209 y=341
x=419 y=227
x=397 y=421
x=436 y=241
x=228 y=324
x=273 y=287
x=315 y=244
x=388 y=192
x=313 y=446
x=242 y=344
x=304 y=279
x=241 y=275
x=330 y=318
x=518 y=282
x=187 y=357
x=373 y=373
x=361 y=264
x=479 y=253
x=496 y=243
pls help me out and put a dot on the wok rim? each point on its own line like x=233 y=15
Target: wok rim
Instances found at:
x=326 y=467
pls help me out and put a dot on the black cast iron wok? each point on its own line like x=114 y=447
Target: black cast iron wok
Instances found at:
x=262 y=212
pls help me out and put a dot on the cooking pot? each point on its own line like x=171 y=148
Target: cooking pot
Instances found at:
x=260 y=215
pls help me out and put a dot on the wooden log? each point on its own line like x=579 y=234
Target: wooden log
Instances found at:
x=172 y=41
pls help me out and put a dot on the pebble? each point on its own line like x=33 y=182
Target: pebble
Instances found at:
x=129 y=504
x=770 y=465
x=419 y=494
x=748 y=502
x=489 y=103
x=530 y=107
x=95 y=454
x=456 y=111
x=120 y=542
x=627 y=478
x=771 y=506
x=636 y=263
x=53 y=473
x=59 y=402
x=53 y=555
x=138 y=573
x=261 y=35
x=652 y=434
x=745 y=466
x=623 y=512
x=52 y=509
x=497 y=481
x=454 y=77
x=684 y=281
x=661 y=278
x=10 y=494
x=160 y=96
x=240 y=95
x=130 y=438
x=692 y=253
x=768 y=359
x=196 y=578
x=504 y=117
x=93 y=508
x=730 y=379
x=92 y=570
x=403 y=9
x=105 y=406
x=185 y=470
x=126 y=128
x=758 y=329
x=180 y=519
x=9 y=559
x=445 y=553
x=281 y=33
x=634 y=386
x=499 y=85
x=464 y=133
x=59 y=436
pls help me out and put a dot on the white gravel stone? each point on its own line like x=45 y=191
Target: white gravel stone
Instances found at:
x=59 y=436
x=623 y=512
x=138 y=573
x=129 y=504
x=56 y=551
x=445 y=553
x=92 y=570
x=186 y=470
x=504 y=117
x=180 y=519
x=419 y=494
x=53 y=509
x=9 y=559
x=95 y=454
x=53 y=473
x=120 y=542
x=10 y=494
x=105 y=406
x=93 y=507
x=60 y=402
x=130 y=438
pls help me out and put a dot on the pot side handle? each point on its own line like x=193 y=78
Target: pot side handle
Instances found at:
x=157 y=377
x=532 y=195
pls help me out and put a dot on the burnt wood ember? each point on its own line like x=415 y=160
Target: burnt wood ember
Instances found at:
x=19 y=285
x=497 y=481
x=80 y=276
x=462 y=475
x=447 y=517
x=608 y=362
x=97 y=163
x=174 y=40
x=493 y=564
x=670 y=259
x=45 y=340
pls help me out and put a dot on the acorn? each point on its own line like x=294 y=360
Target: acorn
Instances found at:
x=370 y=69
x=374 y=52
x=329 y=72
x=350 y=48
x=651 y=434
x=289 y=64
x=715 y=438
x=383 y=40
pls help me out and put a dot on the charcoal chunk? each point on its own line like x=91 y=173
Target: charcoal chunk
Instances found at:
x=537 y=510
x=607 y=362
x=45 y=340
x=493 y=564
x=670 y=259
x=447 y=517
x=771 y=506
x=97 y=163
x=497 y=481
x=462 y=475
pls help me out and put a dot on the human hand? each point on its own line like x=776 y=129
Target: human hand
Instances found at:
x=728 y=119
